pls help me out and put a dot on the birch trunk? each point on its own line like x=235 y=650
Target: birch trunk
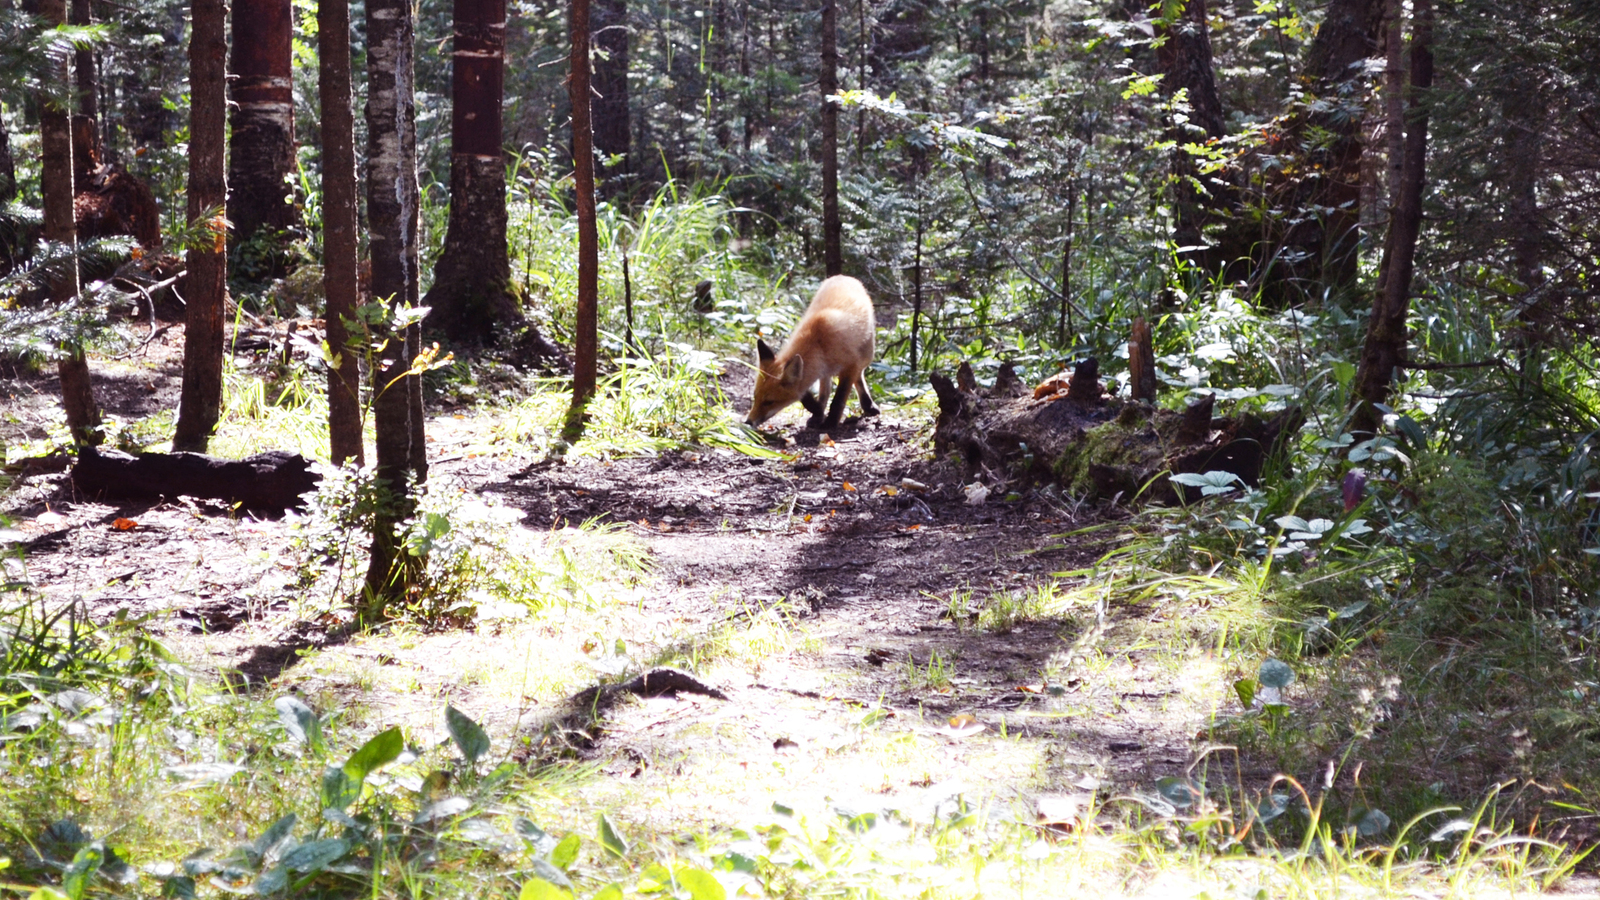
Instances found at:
x=828 y=82
x=392 y=217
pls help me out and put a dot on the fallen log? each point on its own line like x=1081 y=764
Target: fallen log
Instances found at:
x=267 y=481
x=1071 y=431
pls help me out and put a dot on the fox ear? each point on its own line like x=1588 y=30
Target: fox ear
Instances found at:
x=763 y=352
x=792 y=371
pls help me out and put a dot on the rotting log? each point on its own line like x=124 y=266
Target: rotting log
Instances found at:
x=267 y=481
x=1071 y=432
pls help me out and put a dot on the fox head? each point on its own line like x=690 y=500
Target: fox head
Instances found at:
x=777 y=385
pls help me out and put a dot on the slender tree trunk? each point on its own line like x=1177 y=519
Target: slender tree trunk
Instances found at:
x=471 y=299
x=8 y=192
x=861 y=76
x=340 y=282
x=263 y=154
x=200 y=402
x=1394 y=89
x=1385 y=349
x=832 y=255
x=612 y=128
x=392 y=218
x=586 y=343
x=1064 y=317
x=916 y=296
x=86 y=81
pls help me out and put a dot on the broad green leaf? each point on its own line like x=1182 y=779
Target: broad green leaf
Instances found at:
x=384 y=748
x=272 y=881
x=538 y=840
x=1373 y=823
x=301 y=723
x=275 y=835
x=1246 y=689
x=539 y=889
x=611 y=838
x=315 y=855
x=566 y=852
x=1275 y=674
x=1292 y=523
x=550 y=873
x=339 y=790
x=609 y=892
x=700 y=884
x=470 y=738
x=1182 y=793
x=75 y=881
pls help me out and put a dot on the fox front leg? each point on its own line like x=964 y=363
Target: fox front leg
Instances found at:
x=817 y=405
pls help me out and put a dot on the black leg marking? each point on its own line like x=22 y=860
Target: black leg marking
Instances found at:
x=836 y=411
x=868 y=408
x=811 y=403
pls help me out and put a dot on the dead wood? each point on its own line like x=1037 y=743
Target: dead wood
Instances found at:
x=267 y=481
x=1071 y=432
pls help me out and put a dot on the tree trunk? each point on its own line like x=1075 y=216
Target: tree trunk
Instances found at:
x=1385 y=349
x=1184 y=61
x=55 y=186
x=263 y=154
x=471 y=298
x=392 y=217
x=86 y=78
x=200 y=402
x=340 y=282
x=586 y=340
x=610 y=100
x=9 y=243
x=1347 y=37
x=828 y=82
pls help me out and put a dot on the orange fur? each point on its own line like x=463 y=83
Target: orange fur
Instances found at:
x=834 y=339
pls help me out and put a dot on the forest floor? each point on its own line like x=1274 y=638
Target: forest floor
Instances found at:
x=879 y=641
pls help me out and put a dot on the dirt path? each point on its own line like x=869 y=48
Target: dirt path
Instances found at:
x=881 y=640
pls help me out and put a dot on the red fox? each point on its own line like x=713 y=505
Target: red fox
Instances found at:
x=834 y=338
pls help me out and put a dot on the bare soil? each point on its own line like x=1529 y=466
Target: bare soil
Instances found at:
x=876 y=683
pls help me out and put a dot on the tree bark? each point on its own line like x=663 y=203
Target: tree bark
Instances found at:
x=612 y=125
x=586 y=339
x=9 y=239
x=55 y=186
x=86 y=78
x=263 y=154
x=267 y=481
x=340 y=281
x=392 y=216
x=200 y=402
x=1347 y=37
x=1385 y=349
x=828 y=82
x=1184 y=61
x=471 y=298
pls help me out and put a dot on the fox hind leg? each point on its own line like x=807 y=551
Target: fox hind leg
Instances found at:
x=868 y=408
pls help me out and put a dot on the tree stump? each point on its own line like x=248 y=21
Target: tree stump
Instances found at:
x=1069 y=431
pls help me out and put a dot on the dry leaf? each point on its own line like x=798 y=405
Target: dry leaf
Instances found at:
x=888 y=491
x=124 y=524
x=962 y=726
x=848 y=486
x=1031 y=688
